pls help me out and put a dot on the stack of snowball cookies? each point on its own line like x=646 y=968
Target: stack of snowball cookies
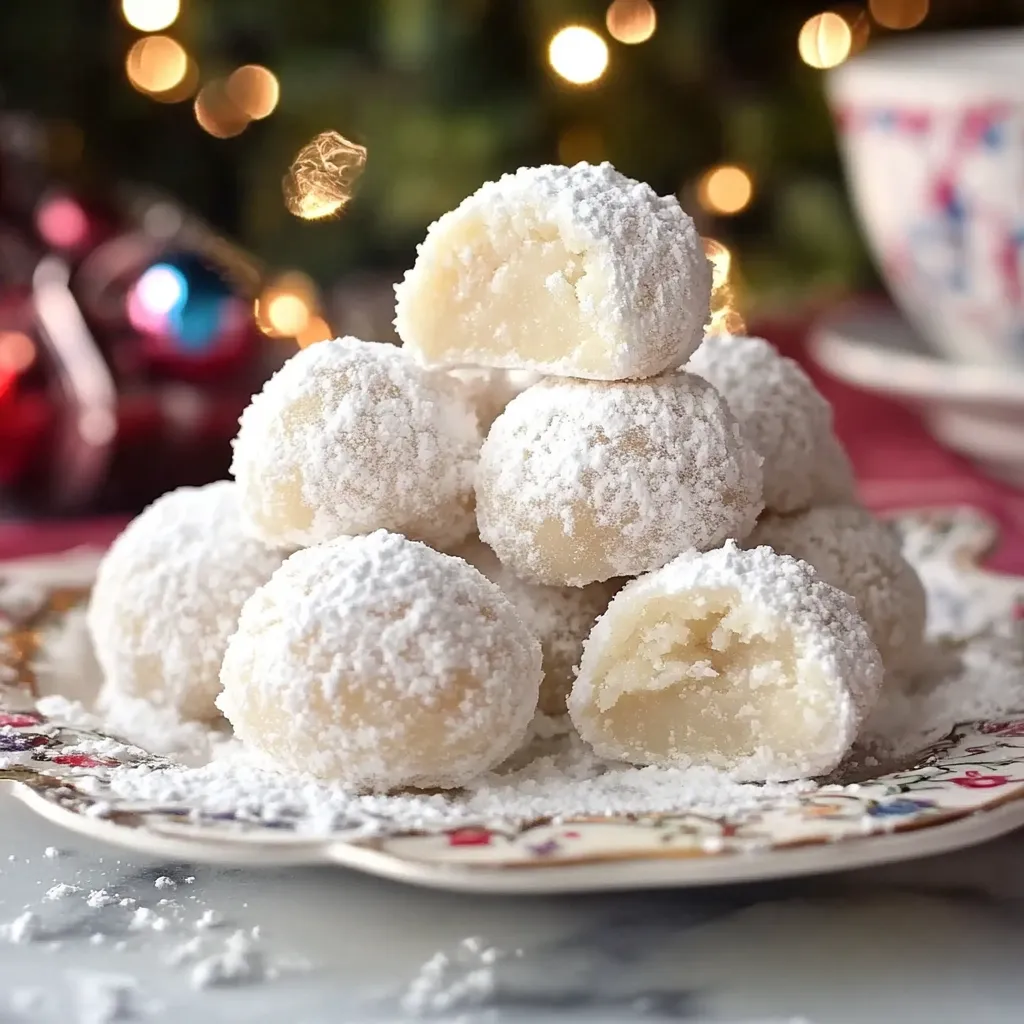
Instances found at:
x=558 y=494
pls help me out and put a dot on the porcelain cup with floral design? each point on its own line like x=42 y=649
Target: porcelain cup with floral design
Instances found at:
x=932 y=135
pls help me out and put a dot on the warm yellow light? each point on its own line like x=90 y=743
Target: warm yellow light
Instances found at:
x=316 y=329
x=287 y=306
x=288 y=314
x=825 y=40
x=323 y=175
x=725 y=317
x=150 y=15
x=156 y=64
x=898 y=14
x=631 y=21
x=860 y=24
x=217 y=113
x=725 y=190
x=185 y=89
x=578 y=54
x=254 y=90
x=17 y=352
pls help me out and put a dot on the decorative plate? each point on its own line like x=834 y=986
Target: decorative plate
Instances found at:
x=963 y=789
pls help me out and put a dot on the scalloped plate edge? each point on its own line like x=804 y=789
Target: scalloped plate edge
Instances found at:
x=640 y=872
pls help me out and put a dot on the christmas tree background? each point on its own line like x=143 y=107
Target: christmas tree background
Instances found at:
x=445 y=94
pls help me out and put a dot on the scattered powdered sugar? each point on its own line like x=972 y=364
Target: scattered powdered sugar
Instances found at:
x=101 y=898
x=958 y=682
x=102 y=998
x=61 y=890
x=559 y=777
x=580 y=482
x=239 y=962
x=783 y=416
x=458 y=982
x=156 y=730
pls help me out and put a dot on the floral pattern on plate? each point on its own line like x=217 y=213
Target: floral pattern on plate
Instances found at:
x=976 y=767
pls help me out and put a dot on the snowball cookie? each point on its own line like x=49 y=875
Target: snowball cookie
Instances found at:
x=167 y=597
x=787 y=420
x=559 y=617
x=380 y=663
x=853 y=551
x=582 y=481
x=351 y=436
x=575 y=271
x=491 y=390
x=738 y=660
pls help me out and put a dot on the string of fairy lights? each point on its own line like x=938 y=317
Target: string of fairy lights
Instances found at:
x=159 y=66
x=321 y=178
x=580 y=56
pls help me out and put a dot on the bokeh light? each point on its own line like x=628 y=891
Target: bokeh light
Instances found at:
x=17 y=352
x=899 y=14
x=578 y=54
x=161 y=291
x=287 y=307
x=725 y=317
x=162 y=288
x=825 y=40
x=725 y=190
x=187 y=308
x=631 y=21
x=150 y=15
x=856 y=17
x=323 y=175
x=183 y=90
x=217 y=113
x=316 y=329
x=254 y=90
x=62 y=222
x=288 y=314
x=156 y=64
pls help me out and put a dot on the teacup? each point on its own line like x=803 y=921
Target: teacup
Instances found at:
x=932 y=135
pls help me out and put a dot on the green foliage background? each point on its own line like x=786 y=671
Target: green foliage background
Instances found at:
x=448 y=93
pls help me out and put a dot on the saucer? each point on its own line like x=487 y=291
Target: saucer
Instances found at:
x=977 y=411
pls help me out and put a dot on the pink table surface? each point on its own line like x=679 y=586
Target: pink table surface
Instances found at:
x=898 y=466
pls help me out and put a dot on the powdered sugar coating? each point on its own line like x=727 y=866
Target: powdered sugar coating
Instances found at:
x=760 y=605
x=491 y=390
x=582 y=481
x=785 y=417
x=351 y=436
x=851 y=550
x=574 y=271
x=168 y=594
x=380 y=663
x=559 y=617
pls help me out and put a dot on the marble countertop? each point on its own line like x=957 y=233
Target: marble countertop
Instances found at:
x=934 y=941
